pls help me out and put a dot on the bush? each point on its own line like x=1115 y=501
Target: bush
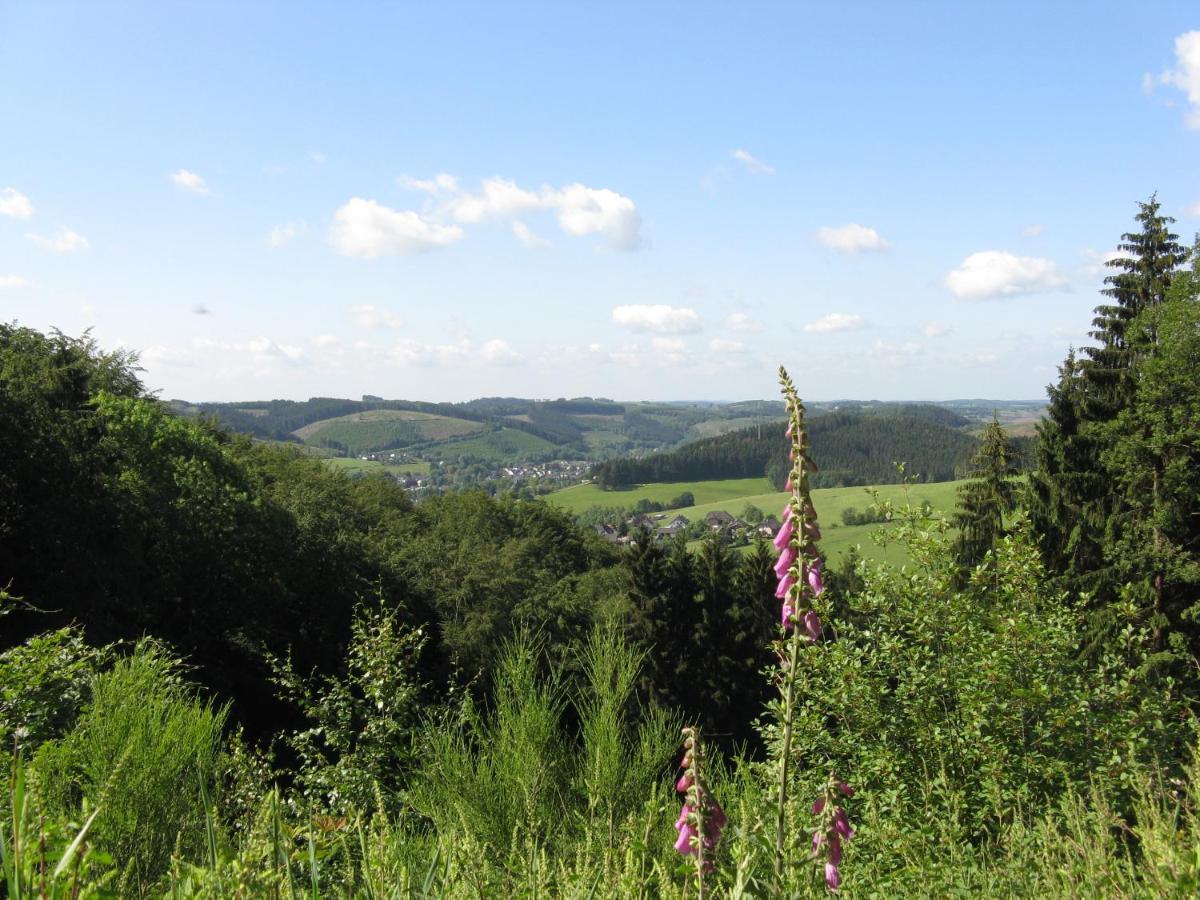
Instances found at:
x=144 y=749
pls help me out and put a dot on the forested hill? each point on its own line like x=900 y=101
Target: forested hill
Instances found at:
x=859 y=447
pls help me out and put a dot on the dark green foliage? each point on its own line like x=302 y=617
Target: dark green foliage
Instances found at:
x=359 y=745
x=1152 y=543
x=1113 y=523
x=851 y=448
x=144 y=749
x=986 y=499
x=44 y=683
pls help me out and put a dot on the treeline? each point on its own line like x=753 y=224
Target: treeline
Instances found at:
x=850 y=448
x=125 y=519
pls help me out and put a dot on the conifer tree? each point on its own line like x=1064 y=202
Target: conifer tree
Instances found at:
x=1072 y=497
x=987 y=497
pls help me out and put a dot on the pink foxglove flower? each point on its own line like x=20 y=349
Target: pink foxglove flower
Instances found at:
x=785 y=561
x=783 y=536
x=785 y=615
x=812 y=626
x=833 y=878
x=785 y=585
x=814 y=578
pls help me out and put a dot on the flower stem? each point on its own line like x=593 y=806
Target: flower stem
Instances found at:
x=785 y=755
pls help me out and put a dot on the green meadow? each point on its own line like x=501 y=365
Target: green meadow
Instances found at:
x=579 y=497
x=733 y=494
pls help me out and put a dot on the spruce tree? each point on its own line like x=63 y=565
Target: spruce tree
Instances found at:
x=988 y=496
x=1072 y=497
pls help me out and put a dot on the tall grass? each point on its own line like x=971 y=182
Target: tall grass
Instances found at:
x=142 y=751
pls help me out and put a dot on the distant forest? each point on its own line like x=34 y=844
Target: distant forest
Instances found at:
x=851 y=448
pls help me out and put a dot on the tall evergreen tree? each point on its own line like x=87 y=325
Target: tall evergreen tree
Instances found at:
x=988 y=496
x=1153 y=454
x=1141 y=282
x=1072 y=496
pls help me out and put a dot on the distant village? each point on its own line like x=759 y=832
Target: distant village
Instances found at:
x=729 y=527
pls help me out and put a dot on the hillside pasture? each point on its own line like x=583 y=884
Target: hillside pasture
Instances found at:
x=384 y=429
x=577 y=498
x=505 y=445
x=352 y=464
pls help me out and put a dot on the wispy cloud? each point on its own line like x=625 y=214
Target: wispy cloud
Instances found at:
x=851 y=238
x=836 y=321
x=527 y=237
x=752 y=164
x=189 y=182
x=741 y=322
x=374 y=317
x=658 y=318
x=1032 y=230
x=282 y=235
x=1184 y=76
x=66 y=241
x=14 y=281
x=14 y=203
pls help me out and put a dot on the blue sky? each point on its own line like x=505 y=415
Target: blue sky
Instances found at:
x=639 y=201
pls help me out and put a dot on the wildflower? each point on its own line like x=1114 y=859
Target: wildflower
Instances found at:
x=812 y=626
x=783 y=537
x=785 y=585
x=833 y=878
x=833 y=829
x=701 y=818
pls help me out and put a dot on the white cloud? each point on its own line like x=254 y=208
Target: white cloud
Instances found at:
x=497 y=352
x=658 y=317
x=583 y=210
x=264 y=349
x=282 y=235
x=936 y=330
x=325 y=340
x=1185 y=76
x=580 y=210
x=14 y=281
x=66 y=241
x=527 y=237
x=720 y=345
x=1194 y=210
x=669 y=351
x=757 y=166
x=997 y=273
x=374 y=317
x=851 y=238
x=500 y=199
x=366 y=229
x=894 y=354
x=14 y=203
x=438 y=184
x=742 y=322
x=189 y=181
x=836 y=322
x=668 y=345
x=1032 y=230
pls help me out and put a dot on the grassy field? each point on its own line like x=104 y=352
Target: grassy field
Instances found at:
x=579 y=497
x=354 y=464
x=732 y=495
x=499 y=447
x=379 y=429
